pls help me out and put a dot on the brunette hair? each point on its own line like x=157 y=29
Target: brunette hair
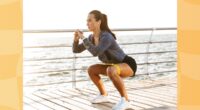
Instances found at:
x=104 y=24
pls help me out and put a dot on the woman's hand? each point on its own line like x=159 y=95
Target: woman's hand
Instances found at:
x=80 y=34
x=76 y=36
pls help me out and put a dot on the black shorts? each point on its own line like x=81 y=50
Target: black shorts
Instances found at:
x=131 y=62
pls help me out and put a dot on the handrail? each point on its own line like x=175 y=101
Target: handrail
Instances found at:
x=86 y=30
x=131 y=43
x=44 y=59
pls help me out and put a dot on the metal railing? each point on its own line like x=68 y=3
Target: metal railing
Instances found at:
x=74 y=57
x=85 y=30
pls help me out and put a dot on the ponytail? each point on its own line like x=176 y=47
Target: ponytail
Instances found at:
x=104 y=25
x=104 y=22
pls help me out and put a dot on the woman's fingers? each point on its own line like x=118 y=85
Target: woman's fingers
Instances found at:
x=78 y=34
x=79 y=31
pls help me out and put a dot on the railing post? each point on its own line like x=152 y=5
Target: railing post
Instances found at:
x=148 y=46
x=74 y=71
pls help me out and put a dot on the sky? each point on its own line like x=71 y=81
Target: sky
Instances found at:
x=72 y=14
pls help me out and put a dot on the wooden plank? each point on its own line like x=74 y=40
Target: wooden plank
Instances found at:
x=161 y=92
x=173 y=85
x=66 y=102
x=138 y=99
x=37 y=102
x=166 y=98
x=71 y=101
x=152 y=99
x=164 y=108
x=156 y=97
x=169 y=88
x=56 y=104
x=84 y=99
x=149 y=98
x=115 y=100
x=170 y=101
x=91 y=95
x=161 y=95
x=128 y=87
x=142 y=100
x=133 y=103
x=27 y=106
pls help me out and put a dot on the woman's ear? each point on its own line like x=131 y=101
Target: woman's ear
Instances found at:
x=99 y=22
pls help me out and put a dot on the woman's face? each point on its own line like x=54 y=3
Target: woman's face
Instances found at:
x=92 y=23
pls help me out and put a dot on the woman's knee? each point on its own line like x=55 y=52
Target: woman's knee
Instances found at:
x=91 y=70
x=111 y=72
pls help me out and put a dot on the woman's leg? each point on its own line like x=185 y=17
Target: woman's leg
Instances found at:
x=94 y=72
x=125 y=71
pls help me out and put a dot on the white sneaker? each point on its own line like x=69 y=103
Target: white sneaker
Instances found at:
x=100 y=99
x=122 y=104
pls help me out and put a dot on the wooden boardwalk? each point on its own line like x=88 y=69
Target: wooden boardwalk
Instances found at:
x=160 y=94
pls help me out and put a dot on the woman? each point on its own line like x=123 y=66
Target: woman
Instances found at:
x=116 y=64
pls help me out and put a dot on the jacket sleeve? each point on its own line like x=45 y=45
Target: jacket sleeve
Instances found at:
x=78 y=48
x=104 y=43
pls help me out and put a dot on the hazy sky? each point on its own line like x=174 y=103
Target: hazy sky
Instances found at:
x=72 y=14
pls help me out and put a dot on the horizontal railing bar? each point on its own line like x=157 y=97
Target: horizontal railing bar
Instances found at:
x=86 y=30
x=152 y=52
x=52 y=46
x=92 y=56
x=82 y=80
x=148 y=42
x=86 y=68
x=56 y=46
x=64 y=70
x=156 y=62
x=158 y=72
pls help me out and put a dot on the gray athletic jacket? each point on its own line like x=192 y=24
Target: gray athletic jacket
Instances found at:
x=108 y=51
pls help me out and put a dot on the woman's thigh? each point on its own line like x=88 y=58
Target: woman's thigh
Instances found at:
x=98 y=69
x=125 y=70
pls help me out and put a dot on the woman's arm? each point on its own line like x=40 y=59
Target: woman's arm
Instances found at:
x=104 y=43
x=78 y=48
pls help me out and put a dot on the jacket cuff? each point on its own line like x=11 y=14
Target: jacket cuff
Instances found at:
x=86 y=42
